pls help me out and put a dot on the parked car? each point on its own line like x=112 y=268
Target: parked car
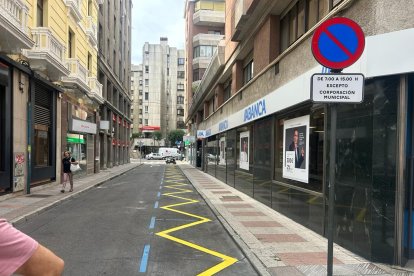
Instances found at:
x=155 y=156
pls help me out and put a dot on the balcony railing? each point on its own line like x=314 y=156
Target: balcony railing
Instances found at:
x=45 y=41
x=15 y=11
x=91 y=30
x=75 y=8
x=76 y=69
x=96 y=88
x=209 y=18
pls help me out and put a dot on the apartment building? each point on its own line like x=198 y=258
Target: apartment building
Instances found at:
x=204 y=28
x=48 y=84
x=136 y=93
x=114 y=66
x=254 y=100
x=162 y=87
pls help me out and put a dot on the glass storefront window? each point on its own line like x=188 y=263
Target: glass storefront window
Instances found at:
x=212 y=157
x=41 y=146
x=315 y=151
x=244 y=163
x=221 y=165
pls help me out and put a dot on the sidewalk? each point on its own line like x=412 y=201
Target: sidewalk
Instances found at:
x=275 y=244
x=16 y=208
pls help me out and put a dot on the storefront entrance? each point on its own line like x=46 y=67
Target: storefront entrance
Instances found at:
x=5 y=129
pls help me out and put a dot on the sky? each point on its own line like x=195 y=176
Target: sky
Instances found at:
x=152 y=19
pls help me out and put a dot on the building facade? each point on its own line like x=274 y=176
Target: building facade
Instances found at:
x=48 y=60
x=268 y=122
x=114 y=63
x=162 y=88
x=204 y=28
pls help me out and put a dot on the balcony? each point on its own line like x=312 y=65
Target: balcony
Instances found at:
x=207 y=39
x=47 y=54
x=209 y=18
x=91 y=31
x=77 y=76
x=96 y=89
x=14 y=33
x=75 y=8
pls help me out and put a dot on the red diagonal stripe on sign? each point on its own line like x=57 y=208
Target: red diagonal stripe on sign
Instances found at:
x=338 y=43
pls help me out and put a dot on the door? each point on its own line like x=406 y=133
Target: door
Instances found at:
x=5 y=129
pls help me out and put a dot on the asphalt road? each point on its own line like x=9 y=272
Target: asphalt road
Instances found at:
x=149 y=221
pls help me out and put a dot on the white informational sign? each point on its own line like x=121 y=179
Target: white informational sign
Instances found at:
x=244 y=151
x=337 y=88
x=201 y=134
x=190 y=139
x=296 y=149
x=83 y=126
x=104 y=125
x=222 y=147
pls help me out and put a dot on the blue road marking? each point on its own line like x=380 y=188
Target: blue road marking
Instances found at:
x=144 y=260
x=156 y=205
x=152 y=223
x=159 y=194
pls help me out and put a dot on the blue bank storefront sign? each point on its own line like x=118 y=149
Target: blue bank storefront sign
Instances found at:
x=224 y=125
x=254 y=111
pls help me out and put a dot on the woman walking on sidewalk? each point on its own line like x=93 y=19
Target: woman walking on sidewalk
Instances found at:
x=67 y=173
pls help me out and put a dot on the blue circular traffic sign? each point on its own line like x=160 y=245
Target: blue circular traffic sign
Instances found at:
x=338 y=43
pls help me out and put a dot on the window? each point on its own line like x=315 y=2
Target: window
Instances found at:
x=204 y=51
x=227 y=91
x=90 y=7
x=248 y=72
x=90 y=64
x=140 y=112
x=146 y=69
x=181 y=61
x=140 y=91
x=40 y=17
x=181 y=74
x=180 y=112
x=300 y=18
x=140 y=83
x=180 y=87
x=198 y=74
x=146 y=109
x=214 y=32
x=146 y=82
x=180 y=99
x=146 y=122
x=114 y=60
x=71 y=44
x=146 y=96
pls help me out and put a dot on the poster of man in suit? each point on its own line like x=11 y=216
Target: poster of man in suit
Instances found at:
x=244 y=151
x=296 y=149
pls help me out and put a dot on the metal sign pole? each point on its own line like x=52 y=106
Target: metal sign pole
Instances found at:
x=332 y=159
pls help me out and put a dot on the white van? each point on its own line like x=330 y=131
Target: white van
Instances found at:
x=174 y=152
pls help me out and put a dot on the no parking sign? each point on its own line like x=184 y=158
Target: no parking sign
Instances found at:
x=338 y=42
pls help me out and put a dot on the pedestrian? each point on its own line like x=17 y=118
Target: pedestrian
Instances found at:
x=21 y=254
x=67 y=173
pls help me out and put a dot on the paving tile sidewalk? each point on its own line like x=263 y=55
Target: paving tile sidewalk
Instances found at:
x=275 y=244
x=16 y=208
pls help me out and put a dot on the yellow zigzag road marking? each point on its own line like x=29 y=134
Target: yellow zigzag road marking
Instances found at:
x=227 y=261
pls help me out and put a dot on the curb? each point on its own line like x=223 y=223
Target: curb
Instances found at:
x=46 y=207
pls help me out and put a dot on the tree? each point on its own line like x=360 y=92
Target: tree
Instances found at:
x=175 y=135
x=136 y=135
x=157 y=135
